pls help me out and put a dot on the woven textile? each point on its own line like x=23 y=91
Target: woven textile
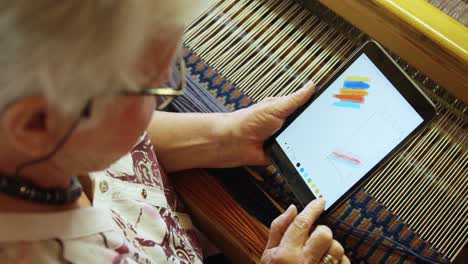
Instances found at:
x=360 y=211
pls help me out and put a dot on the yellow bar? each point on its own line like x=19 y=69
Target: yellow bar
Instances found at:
x=357 y=79
x=359 y=92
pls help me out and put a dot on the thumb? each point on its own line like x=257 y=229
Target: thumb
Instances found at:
x=280 y=225
x=285 y=106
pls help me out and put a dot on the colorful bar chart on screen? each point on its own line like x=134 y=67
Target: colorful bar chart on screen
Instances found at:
x=354 y=91
x=347 y=130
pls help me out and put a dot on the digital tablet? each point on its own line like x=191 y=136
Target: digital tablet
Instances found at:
x=358 y=118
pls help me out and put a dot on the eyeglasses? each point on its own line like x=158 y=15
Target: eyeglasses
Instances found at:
x=174 y=88
x=163 y=95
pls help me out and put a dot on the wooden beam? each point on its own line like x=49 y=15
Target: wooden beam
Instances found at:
x=418 y=32
x=239 y=235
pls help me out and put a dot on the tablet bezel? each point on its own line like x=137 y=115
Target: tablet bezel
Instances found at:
x=399 y=79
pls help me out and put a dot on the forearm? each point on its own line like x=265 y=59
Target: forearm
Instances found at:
x=220 y=140
x=189 y=140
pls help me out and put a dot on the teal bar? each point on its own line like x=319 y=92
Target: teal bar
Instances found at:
x=348 y=105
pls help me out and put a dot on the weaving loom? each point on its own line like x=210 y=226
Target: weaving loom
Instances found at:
x=243 y=51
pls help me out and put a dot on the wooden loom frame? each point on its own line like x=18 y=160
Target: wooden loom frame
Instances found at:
x=418 y=32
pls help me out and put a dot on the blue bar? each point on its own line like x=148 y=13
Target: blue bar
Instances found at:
x=348 y=104
x=356 y=85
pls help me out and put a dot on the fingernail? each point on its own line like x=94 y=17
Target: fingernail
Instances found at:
x=322 y=201
x=308 y=85
x=290 y=208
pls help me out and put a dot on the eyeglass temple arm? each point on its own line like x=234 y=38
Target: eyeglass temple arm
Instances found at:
x=168 y=91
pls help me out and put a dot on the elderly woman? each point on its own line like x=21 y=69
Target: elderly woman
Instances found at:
x=72 y=103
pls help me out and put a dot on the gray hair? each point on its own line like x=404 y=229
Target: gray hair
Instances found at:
x=72 y=50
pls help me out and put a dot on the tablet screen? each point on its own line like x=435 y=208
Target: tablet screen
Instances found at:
x=347 y=130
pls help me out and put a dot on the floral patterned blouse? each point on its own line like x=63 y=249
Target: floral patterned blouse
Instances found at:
x=135 y=218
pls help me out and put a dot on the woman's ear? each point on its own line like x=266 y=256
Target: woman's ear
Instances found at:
x=30 y=126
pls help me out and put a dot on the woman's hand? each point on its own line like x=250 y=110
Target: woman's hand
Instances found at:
x=290 y=242
x=249 y=128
